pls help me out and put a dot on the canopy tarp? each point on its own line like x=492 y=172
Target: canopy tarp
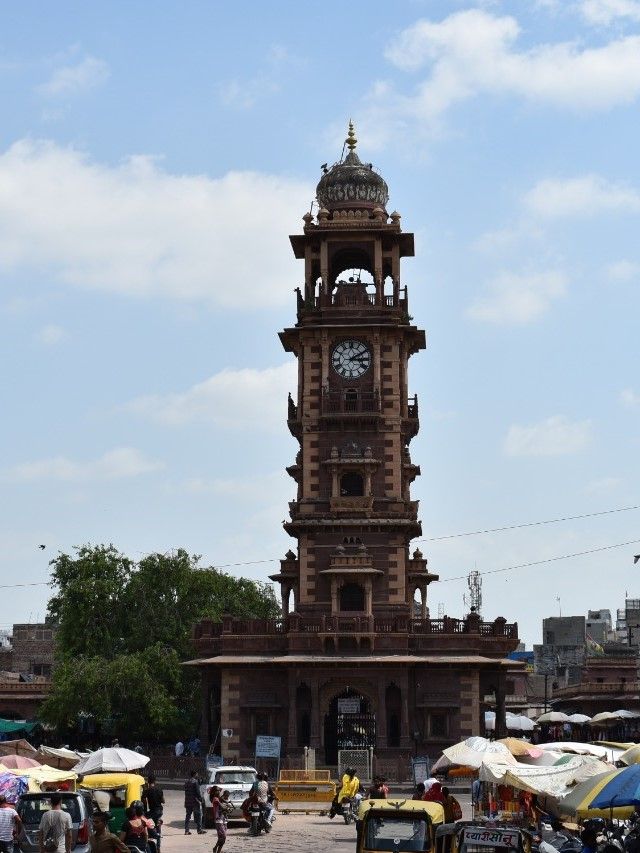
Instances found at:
x=63 y=759
x=553 y=781
x=9 y=727
x=43 y=775
x=17 y=747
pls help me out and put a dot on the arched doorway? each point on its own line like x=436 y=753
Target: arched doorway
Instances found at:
x=350 y=724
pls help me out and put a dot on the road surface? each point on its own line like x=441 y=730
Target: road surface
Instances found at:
x=290 y=833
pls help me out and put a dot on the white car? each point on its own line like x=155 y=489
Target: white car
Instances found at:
x=234 y=779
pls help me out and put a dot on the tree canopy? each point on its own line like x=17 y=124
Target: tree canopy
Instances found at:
x=123 y=629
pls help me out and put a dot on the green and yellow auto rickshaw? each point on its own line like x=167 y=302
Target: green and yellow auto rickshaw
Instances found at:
x=114 y=792
x=398 y=825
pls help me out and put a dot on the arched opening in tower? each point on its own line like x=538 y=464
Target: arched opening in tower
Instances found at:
x=352 y=598
x=351 y=485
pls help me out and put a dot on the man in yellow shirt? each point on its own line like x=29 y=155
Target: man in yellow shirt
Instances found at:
x=350 y=787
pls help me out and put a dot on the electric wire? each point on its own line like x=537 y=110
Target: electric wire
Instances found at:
x=446 y=537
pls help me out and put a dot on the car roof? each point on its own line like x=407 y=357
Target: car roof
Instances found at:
x=229 y=767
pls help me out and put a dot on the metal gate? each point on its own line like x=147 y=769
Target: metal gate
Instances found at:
x=359 y=759
x=356 y=731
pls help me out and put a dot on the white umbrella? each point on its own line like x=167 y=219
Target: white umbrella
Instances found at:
x=553 y=717
x=604 y=717
x=579 y=718
x=627 y=715
x=519 y=723
x=113 y=759
x=471 y=753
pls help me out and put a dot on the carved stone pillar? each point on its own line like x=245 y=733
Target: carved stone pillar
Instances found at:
x=334 y=596
x=315 y=714
x=292 y=730
x=381 y=716
x=285 y=593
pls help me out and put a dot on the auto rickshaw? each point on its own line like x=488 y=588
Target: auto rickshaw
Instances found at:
x=397 y=825
x=114 y=792
x=483 y=837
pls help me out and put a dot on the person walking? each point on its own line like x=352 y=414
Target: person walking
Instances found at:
x=54 y=832
x=10 y=823
x=193 y=804
x=219 y=817
x=153 y=801
x=102 y=841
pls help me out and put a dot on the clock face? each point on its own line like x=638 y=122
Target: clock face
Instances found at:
x=351 y=359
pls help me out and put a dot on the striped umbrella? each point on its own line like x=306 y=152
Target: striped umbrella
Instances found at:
x=577 y=803
x=622 y=788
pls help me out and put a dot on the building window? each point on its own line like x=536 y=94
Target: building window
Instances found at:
x=438 y=725
x=351 y=400
x=43 y=669
x=551 y=638
x=262 y=723
x=351 y=485
x=352 y=597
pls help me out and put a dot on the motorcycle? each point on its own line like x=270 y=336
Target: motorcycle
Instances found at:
x=347 y=811
x=258 y=819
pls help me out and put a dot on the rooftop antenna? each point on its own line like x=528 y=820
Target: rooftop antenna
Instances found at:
x=474 y=599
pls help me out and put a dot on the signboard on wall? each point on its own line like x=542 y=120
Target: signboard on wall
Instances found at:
x=267 y=746
x=350 y=705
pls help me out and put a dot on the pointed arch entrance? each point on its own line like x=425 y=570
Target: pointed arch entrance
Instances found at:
x=349 y=724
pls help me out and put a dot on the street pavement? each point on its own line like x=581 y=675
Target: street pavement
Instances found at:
x=290 y=833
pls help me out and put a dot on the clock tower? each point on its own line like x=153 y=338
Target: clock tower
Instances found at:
x=353 y=417
x=356 y=661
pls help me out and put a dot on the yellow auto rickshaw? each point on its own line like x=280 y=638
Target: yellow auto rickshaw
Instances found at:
x=114 y=792
x=397 y=825
x=484 y=837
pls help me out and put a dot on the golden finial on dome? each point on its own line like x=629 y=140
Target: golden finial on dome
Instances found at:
x=351 y=140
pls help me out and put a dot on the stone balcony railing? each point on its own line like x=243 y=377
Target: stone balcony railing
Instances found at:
x=358 y=633
x=599 y=688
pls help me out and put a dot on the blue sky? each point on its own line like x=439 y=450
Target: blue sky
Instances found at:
x=154 y=159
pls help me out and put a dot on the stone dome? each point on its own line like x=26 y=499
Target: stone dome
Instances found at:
x=352 y=184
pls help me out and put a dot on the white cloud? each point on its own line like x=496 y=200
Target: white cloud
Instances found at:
x=516 y=299
x=75 y=79
x=555 y=436
x=630 y=397
x=136 y=229
x=586 y=195
x=243 y=94
x=603 y=486
x=246 y=398
x=117 y=464
x=607 y=11
x=623 y=271
x=474 y=52
x=51 y=335
x=254 y=489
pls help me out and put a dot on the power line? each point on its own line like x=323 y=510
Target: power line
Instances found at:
x=442 y=580
x=427 y=539
x=529 y=524
x=547 y=560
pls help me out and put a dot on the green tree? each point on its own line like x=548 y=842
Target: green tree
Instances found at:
x=123 y=630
